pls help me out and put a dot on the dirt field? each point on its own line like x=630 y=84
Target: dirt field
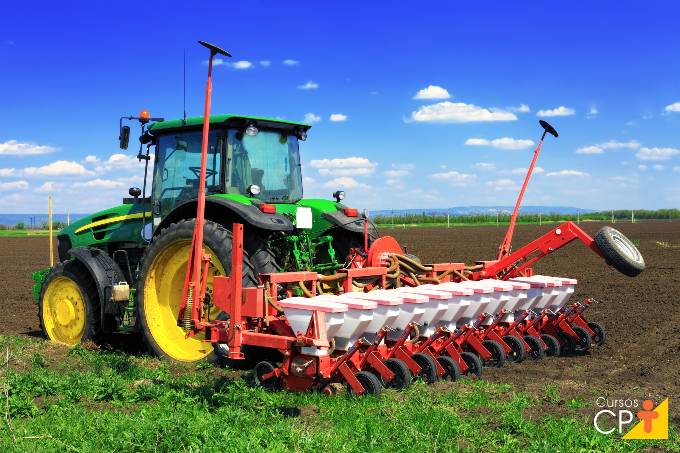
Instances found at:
x=642 y=315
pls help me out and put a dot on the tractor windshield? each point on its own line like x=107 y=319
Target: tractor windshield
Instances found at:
x=270 y=160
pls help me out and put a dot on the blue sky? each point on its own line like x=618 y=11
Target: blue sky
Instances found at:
x=415 y=104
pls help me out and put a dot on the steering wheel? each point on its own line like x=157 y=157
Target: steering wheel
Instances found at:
x=208 y=172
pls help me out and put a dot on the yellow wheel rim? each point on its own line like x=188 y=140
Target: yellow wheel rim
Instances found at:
x=64 y=313
x=162 y=296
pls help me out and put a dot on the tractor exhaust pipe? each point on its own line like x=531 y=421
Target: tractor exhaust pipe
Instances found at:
x=505 y=246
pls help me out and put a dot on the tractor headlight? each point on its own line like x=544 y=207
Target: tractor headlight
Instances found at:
x=254 y=190
x=251 y=130
x=339 y=195
x=301 y=134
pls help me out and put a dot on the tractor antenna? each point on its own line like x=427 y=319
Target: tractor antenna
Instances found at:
x=184 y=86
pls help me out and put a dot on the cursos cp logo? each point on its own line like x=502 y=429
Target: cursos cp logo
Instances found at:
x=616 y=415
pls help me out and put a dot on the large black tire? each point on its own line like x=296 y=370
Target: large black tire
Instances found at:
x=584 y=342
x=76 y=272
x=428 y=365
x=218 y=240
x=473 y=362
x=567 y=344
x=497 y=359
x=272 y=384
x=619 y=252
x=402 y=375
x=261 y=256
x=369 y=382
x=451 y=368
x=552 y=345
x=518 y=352
x=536 y=351
x=600 y=336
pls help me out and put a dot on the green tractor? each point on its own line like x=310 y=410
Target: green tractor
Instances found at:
x=124 y=268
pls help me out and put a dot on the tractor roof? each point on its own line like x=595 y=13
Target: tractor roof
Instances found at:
x=229 y=120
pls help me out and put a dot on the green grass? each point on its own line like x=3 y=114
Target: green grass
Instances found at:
x=23 y=233
x=83 y=400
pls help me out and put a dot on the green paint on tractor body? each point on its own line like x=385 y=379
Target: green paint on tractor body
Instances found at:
x=237 y=161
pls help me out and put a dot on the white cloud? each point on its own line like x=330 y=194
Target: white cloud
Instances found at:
x=4 y=172
x=459 y=112
x=310 y=85
x=523 y=171
x=394 y=183
x=592 y=112
x=674 y=107
x=454 y=177
x=593 y=149
x=658 y=167
x=14 y=185
x=347 y=166
x=485 y=165
x=432 y=92
x=338 y=117
x=398 y=171
x=48 y=187
x=58 y=168
x=676 y=169
x=656 y=153
x=121 y=162
x=611 y=144
x=308 y=180
x=522 y=108
x=502 y=184
x=642 y=167
x=99 y=184
x=345 y=182
x=311 y=118
x=91 y=159
x=242 y=64
x=265 y=63
x=579 y=174
x=501 y=143
x=15 y=148
x=290 y=62
x=558 y=111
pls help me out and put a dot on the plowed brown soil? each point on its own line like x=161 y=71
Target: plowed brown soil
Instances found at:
x=642 y=314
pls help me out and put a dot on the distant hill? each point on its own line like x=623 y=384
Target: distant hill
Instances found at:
x=470 y=210
x=35 y=219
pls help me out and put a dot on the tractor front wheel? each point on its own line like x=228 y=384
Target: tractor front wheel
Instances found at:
x=68 y=307
x=161 y=283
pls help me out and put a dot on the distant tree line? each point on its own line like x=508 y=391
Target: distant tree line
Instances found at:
x=504 y=217
x=58 y=225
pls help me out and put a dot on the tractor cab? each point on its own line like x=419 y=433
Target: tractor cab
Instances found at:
x=257 y=158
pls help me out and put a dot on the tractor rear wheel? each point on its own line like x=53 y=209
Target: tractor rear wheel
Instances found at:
x=161 y=282
x=68 y=307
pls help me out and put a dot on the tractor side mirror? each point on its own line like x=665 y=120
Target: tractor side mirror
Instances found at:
x=124 y=137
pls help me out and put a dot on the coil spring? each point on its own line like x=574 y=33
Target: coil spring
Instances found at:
x=186 y=322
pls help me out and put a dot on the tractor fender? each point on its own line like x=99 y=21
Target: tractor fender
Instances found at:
x=216 y=208
x=105 y=273
x=351 y=224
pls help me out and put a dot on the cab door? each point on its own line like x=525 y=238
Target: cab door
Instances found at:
x=177 y=170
